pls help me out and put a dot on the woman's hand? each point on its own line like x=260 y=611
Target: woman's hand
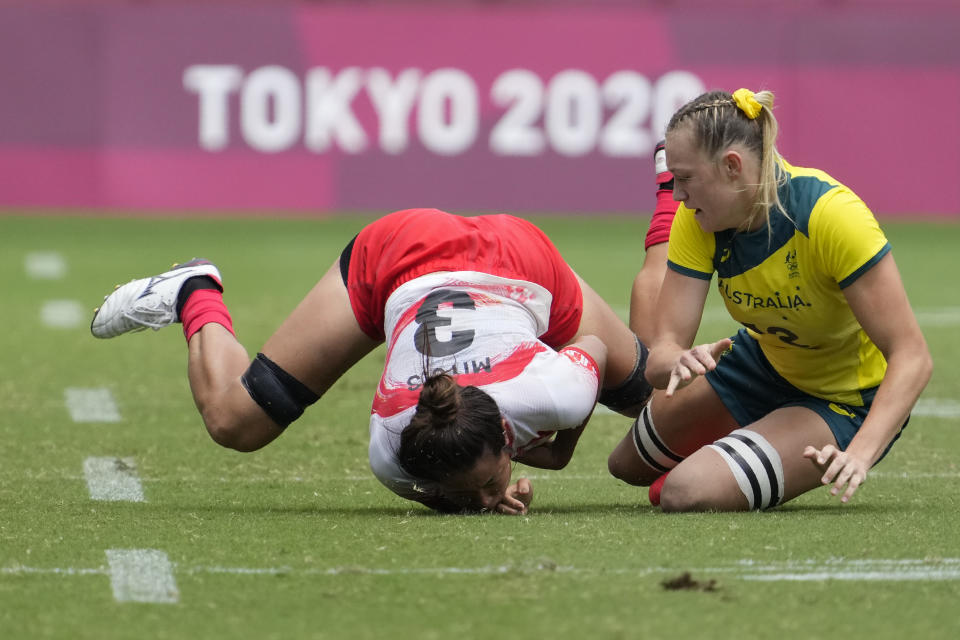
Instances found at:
x=839 y=467
x=695 y=362
x=517 y=498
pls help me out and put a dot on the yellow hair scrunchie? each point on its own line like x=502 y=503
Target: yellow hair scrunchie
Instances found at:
x=747 y=103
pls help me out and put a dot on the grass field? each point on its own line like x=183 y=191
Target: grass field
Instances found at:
x=120 y=518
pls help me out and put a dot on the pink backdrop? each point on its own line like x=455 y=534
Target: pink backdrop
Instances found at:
x=312 y=108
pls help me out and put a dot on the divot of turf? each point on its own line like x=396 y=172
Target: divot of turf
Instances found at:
x=685 y=582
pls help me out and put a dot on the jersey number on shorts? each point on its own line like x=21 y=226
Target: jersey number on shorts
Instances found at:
x=429 y=319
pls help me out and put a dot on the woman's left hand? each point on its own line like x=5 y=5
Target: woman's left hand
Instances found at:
x=694 y=362
x=839 y=467
x=517 y=498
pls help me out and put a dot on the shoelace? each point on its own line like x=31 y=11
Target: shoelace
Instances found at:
x=150 y=317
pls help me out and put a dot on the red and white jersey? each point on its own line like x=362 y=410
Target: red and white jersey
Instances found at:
x=483 y=330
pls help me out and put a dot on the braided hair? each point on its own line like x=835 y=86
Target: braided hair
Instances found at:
x=718 y=121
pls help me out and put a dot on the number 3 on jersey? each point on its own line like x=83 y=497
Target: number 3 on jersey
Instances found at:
x=430 y=317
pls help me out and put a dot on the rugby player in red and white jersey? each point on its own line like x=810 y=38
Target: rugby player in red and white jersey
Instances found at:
x=496 y=351
x=484 y=331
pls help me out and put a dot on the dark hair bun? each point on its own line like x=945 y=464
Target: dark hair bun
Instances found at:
x=440 y=398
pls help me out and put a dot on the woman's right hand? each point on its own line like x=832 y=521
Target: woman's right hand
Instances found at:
x=694 y=362
x=517 y=498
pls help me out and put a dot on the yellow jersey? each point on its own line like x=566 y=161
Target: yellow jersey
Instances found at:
x=785 y=283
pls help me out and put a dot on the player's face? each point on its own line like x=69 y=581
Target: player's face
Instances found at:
x=703 y=186
x=482 y=487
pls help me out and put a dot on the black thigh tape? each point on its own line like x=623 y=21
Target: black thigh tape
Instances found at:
x=279 y=394
x=345 y=256
x=635 y=390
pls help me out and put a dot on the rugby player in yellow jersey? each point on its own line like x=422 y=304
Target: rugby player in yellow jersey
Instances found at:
x=822 y=378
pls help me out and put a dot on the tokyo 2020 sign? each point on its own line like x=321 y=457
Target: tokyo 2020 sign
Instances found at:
x=308 y=109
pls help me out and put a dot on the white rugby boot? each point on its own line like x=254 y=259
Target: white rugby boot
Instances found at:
x=147 y=302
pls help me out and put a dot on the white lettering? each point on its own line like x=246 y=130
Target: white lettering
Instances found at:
x=213 y=84
x=448 y=114
x=264 y=88
x=329 y=116
x=573 y=114
x=628 y=93
x=516 y=132
x=393 y=102
x=671 y=91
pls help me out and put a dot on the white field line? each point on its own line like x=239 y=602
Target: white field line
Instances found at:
x=62 y=314
x=859 y=570
x=862 y=576
x=926 y=407
x=926 y=317
x=916 y=475
x=45 y=265
x=540 y=477
x=936 y=408
x=20 y=570
x=942 y=317
x=141 y=575
x=112 y=479
x=91 y=405
x=604 y=477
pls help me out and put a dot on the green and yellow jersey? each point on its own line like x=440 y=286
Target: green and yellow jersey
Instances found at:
x=785 y=284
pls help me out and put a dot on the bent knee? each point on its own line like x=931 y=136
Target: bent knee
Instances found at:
x=684 y=491
x=229 y=436
x=235 y=433
x=679 y=495
x=629 y=470
x=619 y=470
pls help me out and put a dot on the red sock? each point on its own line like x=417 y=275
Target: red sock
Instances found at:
x=662 y=220
x=202 y=307
x=655 y=489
